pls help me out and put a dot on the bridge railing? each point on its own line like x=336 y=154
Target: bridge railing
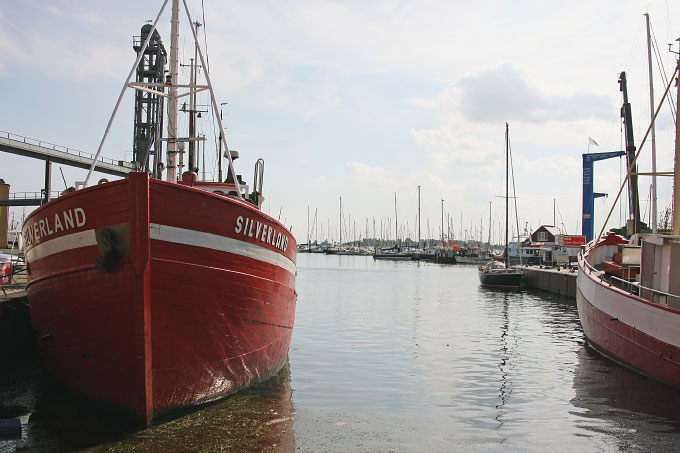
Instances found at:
x=32 y=195
x=52 y=146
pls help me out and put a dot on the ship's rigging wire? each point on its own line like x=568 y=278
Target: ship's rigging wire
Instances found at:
x=514 y=195
x=662 y=70
x=632 y=165
x=140 y=55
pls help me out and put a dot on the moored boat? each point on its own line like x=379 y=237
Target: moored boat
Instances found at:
x=152 y=296
x=628 y=293
x=496 y=273
x=473 y=255
x=636 y=323
x=392 y=253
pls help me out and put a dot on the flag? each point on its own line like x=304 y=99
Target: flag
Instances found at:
x=592 y=142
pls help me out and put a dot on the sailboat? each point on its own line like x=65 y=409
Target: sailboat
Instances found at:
x=154 y=296
x=496 y=273
x=628 y=295
x=396 y=252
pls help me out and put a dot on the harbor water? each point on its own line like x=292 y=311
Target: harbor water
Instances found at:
x=393 y=356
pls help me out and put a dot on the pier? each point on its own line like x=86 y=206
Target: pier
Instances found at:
x=556 y=280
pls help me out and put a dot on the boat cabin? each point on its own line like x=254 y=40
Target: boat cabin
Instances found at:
x=660 y=261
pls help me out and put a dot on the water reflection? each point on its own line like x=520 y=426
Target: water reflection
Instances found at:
x=639 y=413
x=258 y=419
x=505 y=389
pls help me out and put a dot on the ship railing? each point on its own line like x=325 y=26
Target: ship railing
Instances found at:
x=590 y=266
x=651 y=294
x=52 y=146
x=632 y=287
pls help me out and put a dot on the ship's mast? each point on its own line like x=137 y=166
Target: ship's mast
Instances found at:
x=489 y=246
x=651 y=107
x=396 y=224
x=676 y=173
x=443 y=222
x=507 y=165
x=171 y=152
x=627 y=115
x=193 y=139
x=418 y=216
x=340 y=222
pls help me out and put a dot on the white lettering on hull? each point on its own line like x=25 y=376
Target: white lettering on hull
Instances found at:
x=262 y=232
x=43 y=228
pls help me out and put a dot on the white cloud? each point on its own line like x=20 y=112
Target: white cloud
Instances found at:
x=76 y=16
x=429 y=104
x=366 y=175
x=548 y=165
x=293 y=95
x=508 y=93
x=74 y=53
x=446 y=147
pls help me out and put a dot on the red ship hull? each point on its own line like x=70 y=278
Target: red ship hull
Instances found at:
x=633 y=331
x=152 y=296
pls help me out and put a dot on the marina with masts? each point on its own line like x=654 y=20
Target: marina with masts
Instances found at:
x=407 y=278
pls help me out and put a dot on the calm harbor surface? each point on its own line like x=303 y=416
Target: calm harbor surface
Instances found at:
x=394 y=356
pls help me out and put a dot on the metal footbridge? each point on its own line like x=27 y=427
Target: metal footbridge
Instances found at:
x=37 y=149
x=51 y=153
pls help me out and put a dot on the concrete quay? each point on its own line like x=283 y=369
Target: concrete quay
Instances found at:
x=556 y=280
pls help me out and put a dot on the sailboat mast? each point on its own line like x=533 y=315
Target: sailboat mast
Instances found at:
x=308 y=241
x=489 y=246
x=396 y=223
x=651 y=107
x=340 y=221
x=507 y=165
x=676 y=173
x=171 y=150
x=442 y=220
x=418 y=216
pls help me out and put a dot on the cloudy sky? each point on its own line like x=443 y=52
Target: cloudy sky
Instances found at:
x=364 y=100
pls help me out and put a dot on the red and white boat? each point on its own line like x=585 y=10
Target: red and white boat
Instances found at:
x=634 y=323
x=152 y=296
x=628 y=296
